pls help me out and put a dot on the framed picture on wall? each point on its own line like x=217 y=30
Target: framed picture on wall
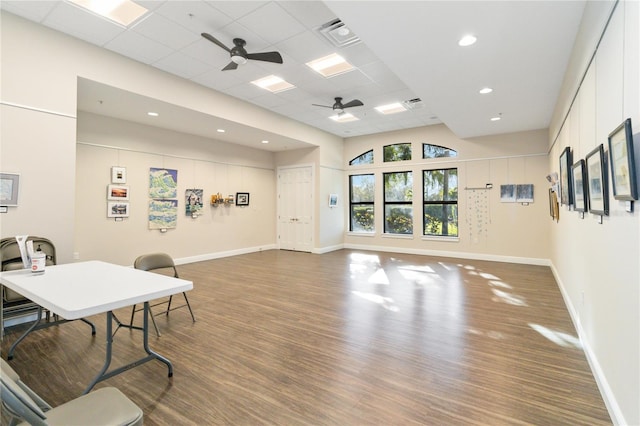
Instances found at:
x=117 y=209
x=117 y=192
x=118 y=175
x=9 y=185
x=597 y=182
x=333 y=200
x=623 y=166
x=578 y=180
x=566 y=193
x=242 y=198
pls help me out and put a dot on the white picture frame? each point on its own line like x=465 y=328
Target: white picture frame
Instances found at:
x=118 y=174
x=117 y=209
x=9 y=188
x=117 y=192
x=333 y=200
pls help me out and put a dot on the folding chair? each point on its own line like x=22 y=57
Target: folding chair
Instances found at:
x=158 y=262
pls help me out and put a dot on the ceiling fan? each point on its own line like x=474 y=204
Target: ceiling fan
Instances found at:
x=240 y=56
x=339 y=107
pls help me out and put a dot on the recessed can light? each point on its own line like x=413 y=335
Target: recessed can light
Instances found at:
x=496 y=118
x=486 y=90
x=467 y=40
x=220 y=130
x=265 y=141
x=153 y=114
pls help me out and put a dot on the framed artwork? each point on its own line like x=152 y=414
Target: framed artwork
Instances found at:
x=524 y=193
x=193 y=201
x=163 y=183
x=578 y=179
x=507 y=193
x=118 y=175
x=242 y=198
x=9 y=185
x=554 y=212
x=566 y=193
x=597 y=182
x=623 y=166
x=333 y=200
x=117 y=192
x=117 y=209
x=163 y=214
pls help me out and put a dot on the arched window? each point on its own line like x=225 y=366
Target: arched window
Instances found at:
x=366 y=158
x=397 y=152
x=437 y=151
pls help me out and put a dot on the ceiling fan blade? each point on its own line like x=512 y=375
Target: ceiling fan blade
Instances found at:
x=266 y=56
x=215 y=41
x=353 y=103
x=324 y=106
x=232 y=66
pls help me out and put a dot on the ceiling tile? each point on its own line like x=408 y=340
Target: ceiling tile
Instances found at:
x=81 y=24
x=32 y=10
x=182 y=65
x=167 y=32
x=237 y=9
x=272 y=22
x=306 y=46
x=196 y=16
x=311 y=14
x=218 y=80
x=138 y=47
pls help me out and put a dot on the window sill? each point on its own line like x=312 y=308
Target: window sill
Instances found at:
x=398 y=236
x=361 y=234
x=441 y=239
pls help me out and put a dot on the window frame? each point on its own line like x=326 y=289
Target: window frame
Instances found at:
x=386 y=203
x=361 y=203
x=438 y=146
x=360 y=156
x=442 y=202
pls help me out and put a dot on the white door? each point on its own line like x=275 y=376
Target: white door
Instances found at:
x=295 y=207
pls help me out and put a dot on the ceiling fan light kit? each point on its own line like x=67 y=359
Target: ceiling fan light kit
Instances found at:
x=239 y=55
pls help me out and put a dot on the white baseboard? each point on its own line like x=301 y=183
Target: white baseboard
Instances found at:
x=617 y=417
x=328 y=249
x=221 y=254
x=454 y=254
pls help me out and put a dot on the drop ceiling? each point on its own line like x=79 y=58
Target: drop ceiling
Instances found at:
x=407 y=51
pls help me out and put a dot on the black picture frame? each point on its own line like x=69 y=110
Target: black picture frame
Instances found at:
x=597 y=182
x=622 y=163
x=566 y=191
x=578 y=180
x=242 y=198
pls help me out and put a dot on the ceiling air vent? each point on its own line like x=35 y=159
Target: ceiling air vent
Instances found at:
x=414 y=103
x=338 y=33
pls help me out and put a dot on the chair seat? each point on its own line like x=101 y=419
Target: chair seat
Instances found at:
x=103 y=407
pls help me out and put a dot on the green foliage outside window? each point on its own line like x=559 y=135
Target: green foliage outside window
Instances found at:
x=437 y=151
x=398 y=197
x=362 y=195
x=397 y=152
x=441 y=202
x=366 y=158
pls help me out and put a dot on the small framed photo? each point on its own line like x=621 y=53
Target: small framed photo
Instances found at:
x=507 y=193
x=524 y=193
x=623 y=166
x=9 y=185
x=118 y=175
x=566 y=193
x=117 y=192
x=333 y=200
x=117 y=209
x=597 y=182
x=242 y=198
x=553 y=205
x=578 y=179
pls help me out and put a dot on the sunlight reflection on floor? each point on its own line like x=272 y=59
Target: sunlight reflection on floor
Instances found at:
x=557 y=337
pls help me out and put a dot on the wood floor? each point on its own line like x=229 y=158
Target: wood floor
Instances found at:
x=344 y=338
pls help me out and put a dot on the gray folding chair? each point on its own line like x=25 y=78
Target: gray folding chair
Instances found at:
x=106 y=406
x=157 y=262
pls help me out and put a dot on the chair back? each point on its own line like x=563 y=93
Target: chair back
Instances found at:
x=18 y=403
x=153 y=261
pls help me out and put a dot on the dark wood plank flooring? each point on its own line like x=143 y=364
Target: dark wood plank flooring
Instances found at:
x=344 y=338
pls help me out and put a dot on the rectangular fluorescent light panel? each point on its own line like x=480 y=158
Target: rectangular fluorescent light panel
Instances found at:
x=123 y=12
x=391 y=108
x=273 y=84
x=331 y=65
x=345 y=117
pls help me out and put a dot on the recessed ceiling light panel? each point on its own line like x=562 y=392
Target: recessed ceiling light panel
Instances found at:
x=273 y=84
x=123 y=12
x=330 y=65
x=486 y=90
x=391 y=108
x=345 y=117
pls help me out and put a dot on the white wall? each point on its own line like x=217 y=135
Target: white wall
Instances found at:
x=597 y=265
x=40 y=70
x=496 y=231
x=206 y=164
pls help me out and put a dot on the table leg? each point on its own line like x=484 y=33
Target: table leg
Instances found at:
x=103 y=374
x=25 y=334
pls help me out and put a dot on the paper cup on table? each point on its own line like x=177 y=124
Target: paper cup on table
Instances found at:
x=38 y=262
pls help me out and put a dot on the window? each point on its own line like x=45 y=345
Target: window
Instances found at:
x=366 y=158
x=437 y=151
x=361 y=203
x=397 y=152
x=440 y=202
x=398 y=196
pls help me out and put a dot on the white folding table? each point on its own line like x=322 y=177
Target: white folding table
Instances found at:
x=78 y=290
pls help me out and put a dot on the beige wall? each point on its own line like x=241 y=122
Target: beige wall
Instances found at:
x=497 y=231
x=210 y=165
x=597 y=265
